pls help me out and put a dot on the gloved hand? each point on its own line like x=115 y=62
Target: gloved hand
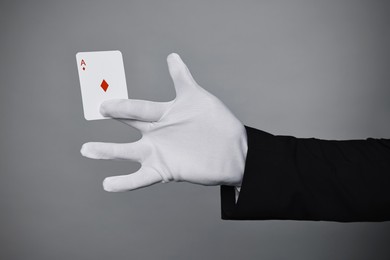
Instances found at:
x=193 y=138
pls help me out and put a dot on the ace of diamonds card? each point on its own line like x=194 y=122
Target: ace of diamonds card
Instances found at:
x=102 y=77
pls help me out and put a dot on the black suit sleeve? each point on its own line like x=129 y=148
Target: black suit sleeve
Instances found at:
x=311 y=179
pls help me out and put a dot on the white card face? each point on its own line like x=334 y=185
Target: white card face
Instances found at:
x=102 y=77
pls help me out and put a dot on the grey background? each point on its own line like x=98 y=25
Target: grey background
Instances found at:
x=302 y=68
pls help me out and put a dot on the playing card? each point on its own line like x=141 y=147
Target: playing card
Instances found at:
x=102 y=77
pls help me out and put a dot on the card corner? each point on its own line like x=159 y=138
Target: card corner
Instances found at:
x=118 y=51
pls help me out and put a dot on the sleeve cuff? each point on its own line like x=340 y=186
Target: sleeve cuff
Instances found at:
x=262 y=194
x=231 y=197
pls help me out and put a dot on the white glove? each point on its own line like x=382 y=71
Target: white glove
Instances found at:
x=193 y=138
